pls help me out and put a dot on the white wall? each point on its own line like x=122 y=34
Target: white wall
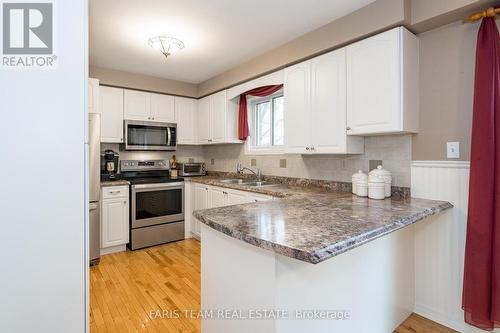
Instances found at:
x=42 y=197
x=440 y=242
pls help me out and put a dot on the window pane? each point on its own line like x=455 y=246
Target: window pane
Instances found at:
x=263 y=115
x=278 y=121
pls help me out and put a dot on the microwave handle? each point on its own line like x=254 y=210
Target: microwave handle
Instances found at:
x=169 y=136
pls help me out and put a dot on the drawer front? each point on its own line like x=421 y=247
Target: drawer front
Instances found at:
x=111 y=192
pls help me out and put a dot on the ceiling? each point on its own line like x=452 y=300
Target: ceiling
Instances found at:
x=218 y=34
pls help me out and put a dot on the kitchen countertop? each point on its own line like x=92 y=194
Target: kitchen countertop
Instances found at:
x=312 y=224
x=118 y=182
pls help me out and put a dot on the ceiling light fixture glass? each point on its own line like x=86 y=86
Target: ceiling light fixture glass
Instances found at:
x=166 y=44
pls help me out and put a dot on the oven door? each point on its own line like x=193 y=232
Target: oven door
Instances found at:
x=154 y=204
x=145 y=135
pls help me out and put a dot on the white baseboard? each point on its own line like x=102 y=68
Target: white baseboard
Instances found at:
x=113 y=249
x=445 y=320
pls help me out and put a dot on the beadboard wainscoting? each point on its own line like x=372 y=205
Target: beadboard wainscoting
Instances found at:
x=440 y=242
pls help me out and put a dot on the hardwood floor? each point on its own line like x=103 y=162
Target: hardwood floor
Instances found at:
x=127 y=287
x=419 y=324
x=149 y=290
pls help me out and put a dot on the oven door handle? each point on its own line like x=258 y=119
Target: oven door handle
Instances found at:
x=157 y=186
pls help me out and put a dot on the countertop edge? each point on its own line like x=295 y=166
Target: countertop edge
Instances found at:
x=328 y=252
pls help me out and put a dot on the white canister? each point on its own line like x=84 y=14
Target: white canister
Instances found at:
x=386 y=176
x=376 y=187
x=362 y=189
x=359 y=176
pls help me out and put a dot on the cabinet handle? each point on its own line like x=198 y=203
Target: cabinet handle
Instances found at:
x=307 y=148
x=114 y=192
x=313 y=148
x=348 y=128
x=125 y=202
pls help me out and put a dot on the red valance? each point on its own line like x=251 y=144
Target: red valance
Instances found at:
x=243 y=129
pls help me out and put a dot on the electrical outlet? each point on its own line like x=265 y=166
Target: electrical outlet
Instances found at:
x=253 y=162
x=453 y=149
x=282 y=163
x=191 y=160
x=212 y=161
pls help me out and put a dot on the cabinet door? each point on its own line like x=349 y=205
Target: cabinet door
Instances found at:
x=93 y=96
x=185 y=116
x=111 y=108
x=217 y=197
x=218 y=116
x=373 y=84
x=200 y=202
x=328 y=103
x=162 y=108
x=114 y=222
x=137 y=105
x=298 y=108
x=236 y=198
x=204 y=135
x=256 y=197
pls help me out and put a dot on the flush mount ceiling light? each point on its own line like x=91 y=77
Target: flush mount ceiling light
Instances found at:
x=166 y=44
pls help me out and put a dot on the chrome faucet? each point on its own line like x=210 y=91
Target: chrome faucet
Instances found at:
x=240 y=168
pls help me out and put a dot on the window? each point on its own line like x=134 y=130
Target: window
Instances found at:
x=267 y=124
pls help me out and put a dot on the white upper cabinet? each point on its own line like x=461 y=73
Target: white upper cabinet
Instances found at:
x=111 y=109
x=382 y=84
x=297 y=92
x=137 y=105
x=146 y=106
x=217 y=119
x=93 y=96
x=219 y=113
x=162 y=108
x=204 y=127
x=328 y=106
x=186 y=118
x=315 y=107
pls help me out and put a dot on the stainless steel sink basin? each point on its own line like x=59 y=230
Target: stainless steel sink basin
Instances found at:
x=232 y=181
x=258 y=183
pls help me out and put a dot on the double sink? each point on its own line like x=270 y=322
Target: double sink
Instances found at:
x=244 y=182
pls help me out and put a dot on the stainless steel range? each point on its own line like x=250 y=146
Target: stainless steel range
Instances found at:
x=156 y=203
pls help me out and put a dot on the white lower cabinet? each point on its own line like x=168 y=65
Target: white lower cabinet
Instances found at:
x=200 y=198
x=114 y=217
x=217 y=197
x=205 y=196
x=236 y=197
x=256 y=197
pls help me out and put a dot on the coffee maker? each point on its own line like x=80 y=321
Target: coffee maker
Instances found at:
x=109 y=164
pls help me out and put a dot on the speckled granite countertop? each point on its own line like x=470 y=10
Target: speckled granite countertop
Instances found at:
x=311 y=224
x=119 y=182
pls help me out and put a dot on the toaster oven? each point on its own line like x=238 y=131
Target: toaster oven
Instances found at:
x=191 y=169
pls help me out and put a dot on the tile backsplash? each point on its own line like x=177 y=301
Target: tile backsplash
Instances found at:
x=183 y=153
x=394 y=152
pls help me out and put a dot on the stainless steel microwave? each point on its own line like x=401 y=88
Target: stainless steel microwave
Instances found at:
x=148 y=135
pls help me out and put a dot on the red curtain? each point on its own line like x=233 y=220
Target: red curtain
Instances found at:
x=243 y=130
x=481 y=290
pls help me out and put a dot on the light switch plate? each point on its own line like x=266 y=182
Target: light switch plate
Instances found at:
x=453 y=149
